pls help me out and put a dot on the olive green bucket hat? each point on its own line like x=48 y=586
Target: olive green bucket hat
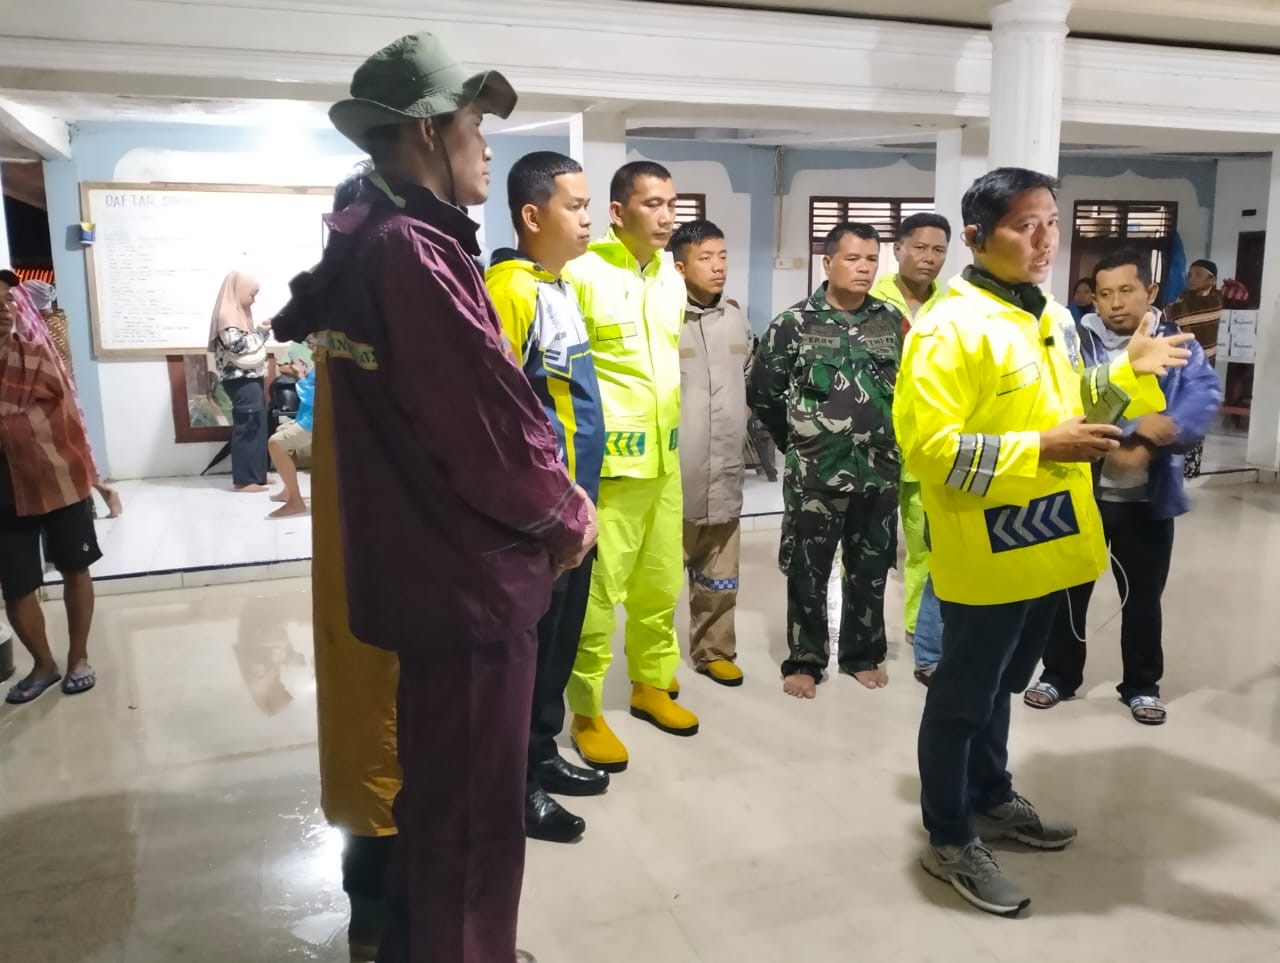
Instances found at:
x=413 y=79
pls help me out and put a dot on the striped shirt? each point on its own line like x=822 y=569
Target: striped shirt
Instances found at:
x=1199 y=313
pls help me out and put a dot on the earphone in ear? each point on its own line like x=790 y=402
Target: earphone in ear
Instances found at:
x=979 y=237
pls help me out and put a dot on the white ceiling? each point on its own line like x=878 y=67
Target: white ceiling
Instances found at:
x=141 y=98
x=1205 y=23
x=814 y=129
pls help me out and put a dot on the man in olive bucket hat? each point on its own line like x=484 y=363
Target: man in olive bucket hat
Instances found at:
x=456 y=511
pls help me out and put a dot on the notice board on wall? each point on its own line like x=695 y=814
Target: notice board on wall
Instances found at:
x=161 y=252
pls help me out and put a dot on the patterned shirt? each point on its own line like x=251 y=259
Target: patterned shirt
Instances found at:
x=232 y=343
x=822 y=382
x=42 y=436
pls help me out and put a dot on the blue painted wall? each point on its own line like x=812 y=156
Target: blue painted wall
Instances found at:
x=507 y=149
x=1203 y=174
x=96 y=150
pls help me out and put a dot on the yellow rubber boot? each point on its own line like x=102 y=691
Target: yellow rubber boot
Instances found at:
x=597 y=745
x=722 y=671
x=655 y=705
x=673 y=690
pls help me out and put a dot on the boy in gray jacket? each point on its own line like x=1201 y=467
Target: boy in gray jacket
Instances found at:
x=715 y=349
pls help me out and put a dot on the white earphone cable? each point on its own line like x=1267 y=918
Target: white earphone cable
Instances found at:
x=1124 y=600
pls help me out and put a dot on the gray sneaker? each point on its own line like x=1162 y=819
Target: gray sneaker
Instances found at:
x=974 y=873
x=1018 y=819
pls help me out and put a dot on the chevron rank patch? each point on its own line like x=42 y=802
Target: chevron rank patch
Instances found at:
x=624 y=444
x=1043 y=520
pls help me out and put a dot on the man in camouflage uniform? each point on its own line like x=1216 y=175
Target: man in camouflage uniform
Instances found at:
x=822 y=383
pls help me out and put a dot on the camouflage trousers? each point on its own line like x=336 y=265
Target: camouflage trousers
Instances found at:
x=864 y=525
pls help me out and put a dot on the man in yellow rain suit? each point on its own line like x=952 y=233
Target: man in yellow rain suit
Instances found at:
x=990 y=412
x=632 y=300
x=921 y=251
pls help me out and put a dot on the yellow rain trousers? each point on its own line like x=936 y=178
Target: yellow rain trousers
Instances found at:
x=634 y=318
x=915 y=572
x=355 y=683
x=640 y=566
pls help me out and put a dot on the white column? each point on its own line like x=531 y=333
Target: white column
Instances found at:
x=1264 y=416
x=1028 y=39
x=598 y=141
x=961 y=160
x=4 y=248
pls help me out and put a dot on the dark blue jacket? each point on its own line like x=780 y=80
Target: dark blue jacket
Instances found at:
x=1192 y=396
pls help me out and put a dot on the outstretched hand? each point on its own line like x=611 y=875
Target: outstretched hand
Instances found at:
x=1155 y=356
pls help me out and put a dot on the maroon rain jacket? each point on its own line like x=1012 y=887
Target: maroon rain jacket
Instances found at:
x=453 y=498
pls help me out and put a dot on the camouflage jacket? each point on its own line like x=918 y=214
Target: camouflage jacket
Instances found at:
x=822 y=382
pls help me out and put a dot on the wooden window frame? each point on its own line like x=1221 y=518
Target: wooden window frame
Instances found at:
x=816 y=243
x=1086 y=250
x=699 y=202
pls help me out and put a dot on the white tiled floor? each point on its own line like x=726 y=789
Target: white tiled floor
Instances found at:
x=189 y=532
x=173 y=528
x=171 y=814
x=1225 y=451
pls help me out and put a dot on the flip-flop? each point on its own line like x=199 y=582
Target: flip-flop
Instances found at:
x=78 y=682
x=1045 y=689
x=1151 y=704
x=29 y=689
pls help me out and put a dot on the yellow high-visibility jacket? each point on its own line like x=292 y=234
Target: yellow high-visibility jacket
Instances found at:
x=633 y=321
x=980 y=379
x=886 y=289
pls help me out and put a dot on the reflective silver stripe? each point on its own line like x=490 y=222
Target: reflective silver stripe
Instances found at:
x=966 y=457
x=986 y=470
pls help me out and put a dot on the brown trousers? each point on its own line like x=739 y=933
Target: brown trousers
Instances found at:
x=711 y=555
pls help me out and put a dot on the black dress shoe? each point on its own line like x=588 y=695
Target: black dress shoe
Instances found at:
x=555 y=775
x=544 y=818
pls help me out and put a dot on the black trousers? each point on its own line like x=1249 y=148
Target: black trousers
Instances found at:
x=1142 y=545
x=248 y=431
x=364 y=865
x=558 y=635
x=989 y=652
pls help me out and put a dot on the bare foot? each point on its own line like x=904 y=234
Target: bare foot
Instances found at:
x=252 y=488
x=289 y=509
x=801 y=686
x=281 y=496
x=115 y=507
x=873 y=678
